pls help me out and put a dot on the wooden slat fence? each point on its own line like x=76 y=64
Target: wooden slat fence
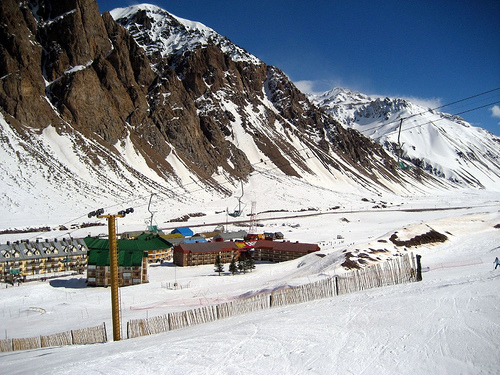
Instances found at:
x=395 y=271
x=202 y=315
x=91 y=335
x=6 y=345
x=243 y=306
x=57 y=339
x=392 y=272
x=27 y=343
x=150 y=326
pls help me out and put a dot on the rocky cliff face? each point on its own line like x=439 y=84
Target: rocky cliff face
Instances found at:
x=170 y=92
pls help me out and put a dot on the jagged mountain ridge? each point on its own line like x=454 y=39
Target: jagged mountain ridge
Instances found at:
x=442 y=144
x=262 y=85
x=139 y=119
x=162 y=34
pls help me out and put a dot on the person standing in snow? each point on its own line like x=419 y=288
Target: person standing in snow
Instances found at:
x=497 y=262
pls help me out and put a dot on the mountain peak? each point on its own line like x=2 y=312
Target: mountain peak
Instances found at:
x=340 y=95
x=163 y=34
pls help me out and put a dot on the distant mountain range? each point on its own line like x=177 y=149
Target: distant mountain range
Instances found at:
x=441 y=144
x=108 y=107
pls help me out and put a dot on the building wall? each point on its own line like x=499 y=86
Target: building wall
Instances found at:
x=180 y=259
x=198 y=254
x=101 y=275
x=155 y=256
x=36 y=260
x=277 y=256
x=196 y=259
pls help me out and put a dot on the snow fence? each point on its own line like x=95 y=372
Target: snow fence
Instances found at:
x=395 y=271
x=90 y=335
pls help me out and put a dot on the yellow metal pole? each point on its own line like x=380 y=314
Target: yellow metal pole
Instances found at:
x=113 y=263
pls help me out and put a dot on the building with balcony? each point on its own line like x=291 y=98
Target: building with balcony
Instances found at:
x=27 y=260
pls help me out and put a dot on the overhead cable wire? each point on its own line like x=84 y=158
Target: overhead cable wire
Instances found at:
x=464 y=99
x=178 y=195
x=443 y=118
x=434 y=109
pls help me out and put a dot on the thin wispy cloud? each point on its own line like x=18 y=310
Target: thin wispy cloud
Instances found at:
x=425 y=102
x=312 y=87
x=306 y=87
x=317 y=87
x=495 y=112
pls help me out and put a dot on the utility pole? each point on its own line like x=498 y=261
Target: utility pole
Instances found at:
x=113 y=263
x=253 y=215
x=399 y=142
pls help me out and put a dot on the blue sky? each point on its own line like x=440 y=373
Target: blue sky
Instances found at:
x=431 y=51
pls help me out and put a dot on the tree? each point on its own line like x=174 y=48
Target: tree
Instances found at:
x=219 y=266
x=241 y=265
x=250 y=263
x=232 y=266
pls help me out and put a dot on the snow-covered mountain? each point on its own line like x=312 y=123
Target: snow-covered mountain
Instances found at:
x=444 y=145
x=162 y=34
x=93 y=110
x=98 y=110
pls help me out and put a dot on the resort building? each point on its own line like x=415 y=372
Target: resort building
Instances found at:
x=30 y=260
x=198 y=253
x=280 y=251
x=132 y=263
x=194 y=254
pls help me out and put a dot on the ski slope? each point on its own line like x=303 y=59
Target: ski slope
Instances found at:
x=448 y=323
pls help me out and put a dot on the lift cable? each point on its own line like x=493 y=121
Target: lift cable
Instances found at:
x=434 y=109
x=433 y=121
x=145 y=198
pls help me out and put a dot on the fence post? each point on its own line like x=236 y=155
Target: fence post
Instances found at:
x=168 y=321
x=419 y=268
x=105 y=333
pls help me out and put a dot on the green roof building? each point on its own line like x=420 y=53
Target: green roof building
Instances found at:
x=133 y=257
x=157 y=248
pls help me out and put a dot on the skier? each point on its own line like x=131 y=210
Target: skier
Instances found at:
x=497 y=262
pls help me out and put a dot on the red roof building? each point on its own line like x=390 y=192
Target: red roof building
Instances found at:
x=280 y=251
x=193 y=254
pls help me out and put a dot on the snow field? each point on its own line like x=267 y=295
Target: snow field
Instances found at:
x=448 y=323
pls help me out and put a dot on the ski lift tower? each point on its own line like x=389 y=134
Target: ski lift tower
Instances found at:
x=239 y=211
x=151 y=227
x=113 y=264
x=253 y=216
